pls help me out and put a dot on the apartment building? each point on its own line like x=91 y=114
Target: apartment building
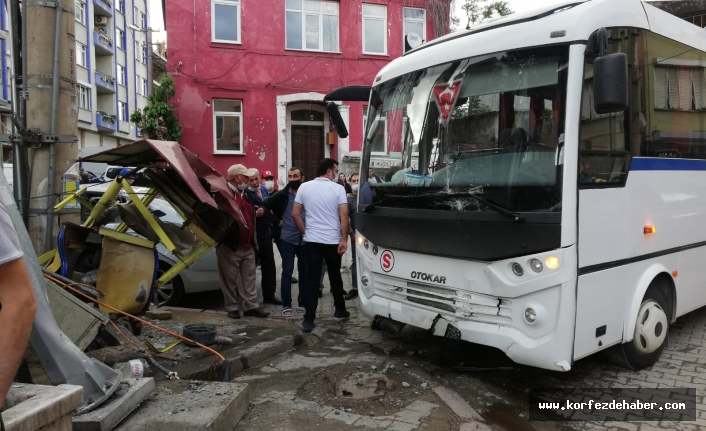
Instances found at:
x=251 y=74
x=112 y=57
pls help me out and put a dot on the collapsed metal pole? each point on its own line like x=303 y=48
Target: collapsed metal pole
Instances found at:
x=63 y=362
x=52 y=128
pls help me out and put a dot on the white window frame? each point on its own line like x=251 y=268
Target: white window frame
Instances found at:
x=143 y=21
x=144 y=86
x=227 y=114
x=122 y=111
x=138 y=47
x=138 y=84
x=374 y=153
x=82 y=54
x=121 y=6
x=122 y=77
x=320 y=14
x=135 y=14
x=80 y=17
x=120 y=38
x=83 y=93
x=374 y=18
x=404 y=25
x=235 y=4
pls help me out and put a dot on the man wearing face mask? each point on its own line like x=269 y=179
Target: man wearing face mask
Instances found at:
x=236 y=255
x=326 y=236
x=256 y=194
x=269 y=182
x=288 y=239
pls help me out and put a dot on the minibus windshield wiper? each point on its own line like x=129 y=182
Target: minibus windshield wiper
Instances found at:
x=517 y=217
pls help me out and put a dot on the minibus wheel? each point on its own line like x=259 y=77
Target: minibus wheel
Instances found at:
x=650 y=332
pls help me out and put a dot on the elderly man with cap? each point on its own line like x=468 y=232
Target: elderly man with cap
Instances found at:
x=236 y=255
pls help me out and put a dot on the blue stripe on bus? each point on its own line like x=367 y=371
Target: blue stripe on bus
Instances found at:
x=665 y=164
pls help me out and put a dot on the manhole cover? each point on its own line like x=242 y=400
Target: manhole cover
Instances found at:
x=363 y=385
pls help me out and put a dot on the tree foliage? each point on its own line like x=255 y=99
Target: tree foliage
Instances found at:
x=478 y=11
x=157 y=120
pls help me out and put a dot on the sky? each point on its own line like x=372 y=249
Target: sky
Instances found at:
x=516 y=5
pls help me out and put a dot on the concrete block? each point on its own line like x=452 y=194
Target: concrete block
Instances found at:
x=129 y=396
x=191 y=405
x=37 y=407
x=159 y=314
x=267 y=349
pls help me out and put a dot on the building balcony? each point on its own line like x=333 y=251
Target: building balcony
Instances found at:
x=105 y=122
x=104 y=45
x=103 y=7
x=104 y=83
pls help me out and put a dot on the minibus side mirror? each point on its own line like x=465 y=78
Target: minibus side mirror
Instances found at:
x=337 y=120
x=610 y=83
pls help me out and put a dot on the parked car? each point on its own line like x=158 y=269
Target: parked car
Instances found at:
x=200 y=277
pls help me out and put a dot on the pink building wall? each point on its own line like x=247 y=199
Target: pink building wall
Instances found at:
x=260 y=69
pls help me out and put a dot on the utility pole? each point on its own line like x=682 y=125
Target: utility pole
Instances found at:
x=51 y=112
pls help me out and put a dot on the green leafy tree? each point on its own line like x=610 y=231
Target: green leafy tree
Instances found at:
x=478 y=11
x=157 y=120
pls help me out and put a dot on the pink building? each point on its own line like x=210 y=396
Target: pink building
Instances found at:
x=251 y=74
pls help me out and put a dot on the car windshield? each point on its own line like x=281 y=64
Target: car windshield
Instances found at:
x=489 y=126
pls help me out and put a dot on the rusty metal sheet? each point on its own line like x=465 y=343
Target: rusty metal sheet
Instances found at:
x=189 y=167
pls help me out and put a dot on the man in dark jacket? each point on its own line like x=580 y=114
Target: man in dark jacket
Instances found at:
x=289 y=240
x=256 y=194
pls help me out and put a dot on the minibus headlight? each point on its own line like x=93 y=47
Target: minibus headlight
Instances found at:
x=552 y=262
x=517 y=269
x=536 y=265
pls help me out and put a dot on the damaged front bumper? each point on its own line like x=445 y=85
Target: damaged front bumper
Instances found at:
x=552 y=351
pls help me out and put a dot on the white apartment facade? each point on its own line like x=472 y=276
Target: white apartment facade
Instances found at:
x=112 y=55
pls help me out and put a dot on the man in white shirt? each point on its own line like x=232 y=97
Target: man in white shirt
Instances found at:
x=325 y=234
x=17 y=304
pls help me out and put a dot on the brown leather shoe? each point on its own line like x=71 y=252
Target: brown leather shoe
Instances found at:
x=257 y=312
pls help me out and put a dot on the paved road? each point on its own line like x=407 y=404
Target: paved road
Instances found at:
x=497 y=394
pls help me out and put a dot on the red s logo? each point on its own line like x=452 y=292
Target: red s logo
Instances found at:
x=387 y=261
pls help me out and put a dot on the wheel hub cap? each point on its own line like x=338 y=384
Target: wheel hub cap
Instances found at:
x=651 y=327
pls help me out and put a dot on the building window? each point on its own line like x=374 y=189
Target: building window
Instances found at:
x=135 y=14
x=84 y=97
x=120 y=36
x=143 y=84
x=139 y=54
x=81 y=58
x=379 y=140
x=122 y=111
x=143 y=21
x=374 y=29
x=227 y=126
x=121 y=75
x=680 y=88
x=225 y=21
x=415 y=23
x=121 y=6
x=312 y=25
x=80 y=12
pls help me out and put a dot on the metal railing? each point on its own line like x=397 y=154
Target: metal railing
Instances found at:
x=107 y=3
x=104 y=39
x=105 y=79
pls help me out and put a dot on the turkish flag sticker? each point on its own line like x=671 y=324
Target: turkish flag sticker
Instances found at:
x=445 y=96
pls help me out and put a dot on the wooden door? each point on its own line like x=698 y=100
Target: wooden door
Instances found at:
x=307 y=148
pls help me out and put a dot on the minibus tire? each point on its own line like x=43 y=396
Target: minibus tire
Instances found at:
x=627 y=354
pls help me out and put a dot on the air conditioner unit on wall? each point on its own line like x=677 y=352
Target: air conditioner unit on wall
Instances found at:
x=101 y=20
